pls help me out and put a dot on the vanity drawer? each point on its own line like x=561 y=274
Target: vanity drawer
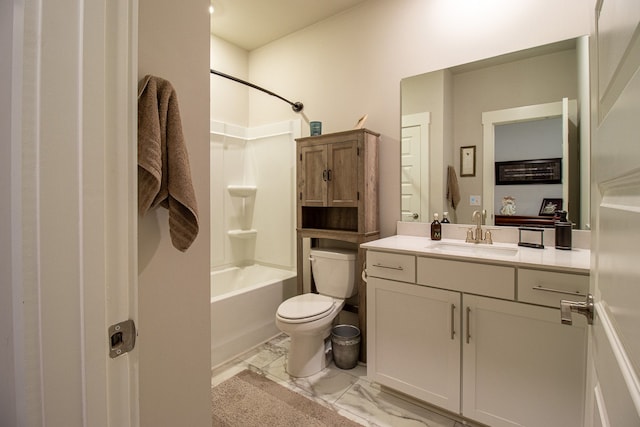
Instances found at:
x=386 y=265
x=481 y=279
x=549 y=287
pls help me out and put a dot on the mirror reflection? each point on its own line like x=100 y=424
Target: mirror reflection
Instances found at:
x=508 y=136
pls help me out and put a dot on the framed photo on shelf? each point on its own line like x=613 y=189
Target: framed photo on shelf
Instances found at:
x=468 y=161
x=550 y=206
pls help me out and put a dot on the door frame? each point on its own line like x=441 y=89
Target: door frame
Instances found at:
x=491 y=119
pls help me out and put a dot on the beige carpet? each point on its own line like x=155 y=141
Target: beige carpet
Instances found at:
x=249 y=399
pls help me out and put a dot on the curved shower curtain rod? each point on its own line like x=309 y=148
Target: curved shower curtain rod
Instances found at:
x=296 y=106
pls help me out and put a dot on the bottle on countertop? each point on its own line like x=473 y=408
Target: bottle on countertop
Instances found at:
x=563 y=230
x=445 y=218
x=436 y=228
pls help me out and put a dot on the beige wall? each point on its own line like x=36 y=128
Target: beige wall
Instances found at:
x=229 y=100
x=7 y=366
x=174 y=340
x=352 y=64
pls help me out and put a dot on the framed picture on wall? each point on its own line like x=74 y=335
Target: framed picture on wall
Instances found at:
x=550 y=206
x=540 y=171
x=468 y=161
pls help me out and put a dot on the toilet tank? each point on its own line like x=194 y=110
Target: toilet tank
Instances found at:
x=334 y=272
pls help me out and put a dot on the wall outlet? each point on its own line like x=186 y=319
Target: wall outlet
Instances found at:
x=475 y=200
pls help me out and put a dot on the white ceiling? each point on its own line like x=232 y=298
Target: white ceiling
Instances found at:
x=250 y=24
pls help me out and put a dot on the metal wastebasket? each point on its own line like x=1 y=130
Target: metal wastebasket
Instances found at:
x=345 y=344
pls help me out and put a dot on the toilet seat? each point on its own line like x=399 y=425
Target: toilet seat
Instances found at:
x=305 y=308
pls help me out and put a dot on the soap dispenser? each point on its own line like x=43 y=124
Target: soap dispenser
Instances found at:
x=563 y=230
x=436 y=228
x=445 y=218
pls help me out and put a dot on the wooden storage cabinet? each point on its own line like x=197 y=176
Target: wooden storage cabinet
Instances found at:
x=493 y=360
x=337 y=198
x=337 y=181
x=329 y=174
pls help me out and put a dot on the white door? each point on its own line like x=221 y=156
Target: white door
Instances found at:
x=414 y=148
x=410 y=173
x=613 y=387
x=77 y=254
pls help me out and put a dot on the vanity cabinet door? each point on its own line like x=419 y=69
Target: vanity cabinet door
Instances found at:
x=414 y=340
x=521 y=366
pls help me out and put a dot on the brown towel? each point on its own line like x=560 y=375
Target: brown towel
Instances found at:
x=453 y=191
x=164 y=176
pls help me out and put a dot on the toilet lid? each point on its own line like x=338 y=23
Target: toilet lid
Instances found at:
x=305 y=306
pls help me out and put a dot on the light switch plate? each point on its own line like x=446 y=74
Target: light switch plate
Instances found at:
x=475 y=200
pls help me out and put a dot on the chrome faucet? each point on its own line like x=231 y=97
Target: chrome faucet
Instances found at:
x=478 y=235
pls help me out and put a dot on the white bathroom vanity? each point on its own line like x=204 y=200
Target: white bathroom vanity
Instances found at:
x=476 y=329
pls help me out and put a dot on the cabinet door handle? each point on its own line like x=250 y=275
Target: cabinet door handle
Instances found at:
x=324 y=175
x=389 y=267
x=557 y=291
x=329 y=175
x=468 y=323
x=453 y=319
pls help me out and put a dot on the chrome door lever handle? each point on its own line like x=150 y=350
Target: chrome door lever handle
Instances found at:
x=581 y=307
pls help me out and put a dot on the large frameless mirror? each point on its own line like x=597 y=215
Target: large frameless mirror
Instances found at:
x=508 y=136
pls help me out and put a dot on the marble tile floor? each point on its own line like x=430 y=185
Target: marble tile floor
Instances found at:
x=348 y=392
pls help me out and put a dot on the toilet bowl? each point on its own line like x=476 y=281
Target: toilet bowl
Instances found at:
x=308 y=318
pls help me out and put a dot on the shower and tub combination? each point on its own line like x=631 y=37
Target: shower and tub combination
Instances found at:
x=243 y=303
x=252 y=233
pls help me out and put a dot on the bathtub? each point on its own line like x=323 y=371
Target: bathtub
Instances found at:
x=244 y=301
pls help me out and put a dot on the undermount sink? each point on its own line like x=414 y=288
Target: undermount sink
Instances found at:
x=473 y=248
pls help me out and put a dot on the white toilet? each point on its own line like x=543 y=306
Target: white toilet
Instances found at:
x=308 y=318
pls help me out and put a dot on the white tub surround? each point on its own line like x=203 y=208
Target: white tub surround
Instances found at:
x=476 y=329
x=252 y=224
x=253 y=194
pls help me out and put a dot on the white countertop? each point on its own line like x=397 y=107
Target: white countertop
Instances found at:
x=575 y=260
